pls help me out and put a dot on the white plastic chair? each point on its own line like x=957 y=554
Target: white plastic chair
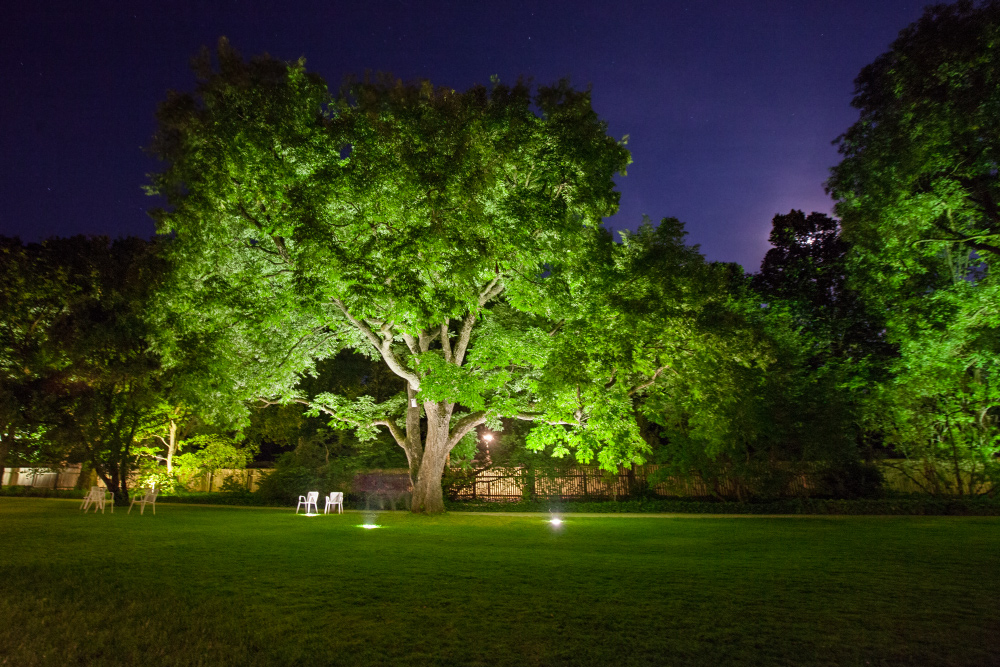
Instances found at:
x=149 y=497
x=91 y=497
x=335 y=499
x=311 y=498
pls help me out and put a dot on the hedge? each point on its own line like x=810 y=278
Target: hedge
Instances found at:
x=910 y=505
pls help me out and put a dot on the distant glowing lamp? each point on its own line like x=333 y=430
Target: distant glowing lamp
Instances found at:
x=488 y=437
x=556 y=521
x=369 y=526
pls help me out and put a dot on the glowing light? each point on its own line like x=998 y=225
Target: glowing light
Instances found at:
x=310 y=514
x=556 y=521
x=369 y=526
x=488 y=437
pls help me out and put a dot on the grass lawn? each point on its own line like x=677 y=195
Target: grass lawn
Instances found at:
x=234 y=586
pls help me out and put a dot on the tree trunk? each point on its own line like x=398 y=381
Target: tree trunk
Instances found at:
x=4 y=450
x=428 y=497
x=171 y=447
x=117 y=486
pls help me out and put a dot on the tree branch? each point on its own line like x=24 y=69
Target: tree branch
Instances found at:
x=446 y=341
x=412 y=343
x=463 y=426
x=383 y=345
x=971 y=239
x=491 y=291
x=462 y=342
x=642 y=386
x=397 y=435
x=533 y=417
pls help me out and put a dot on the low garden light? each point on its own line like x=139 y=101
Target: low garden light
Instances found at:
x=369 y=526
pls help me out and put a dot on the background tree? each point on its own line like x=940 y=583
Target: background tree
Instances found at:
x=79 y=380
x=806 y=273
x=387 y=220
x=111 y=388
x=836 y=352
x=917 y=191
x=74 y=360
x=35 y=299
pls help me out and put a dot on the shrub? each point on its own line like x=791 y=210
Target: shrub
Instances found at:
x=903 y=505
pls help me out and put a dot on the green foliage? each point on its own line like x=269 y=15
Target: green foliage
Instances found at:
x=76 y=364
x=213 y=453
x=918 y=191
x=919 y=168
x=326 y=462
x=444 y=233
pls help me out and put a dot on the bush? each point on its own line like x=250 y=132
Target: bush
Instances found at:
x=243 y=499
x=904 y=505
x=39 y=492
x=852 y=479
x=287 y=481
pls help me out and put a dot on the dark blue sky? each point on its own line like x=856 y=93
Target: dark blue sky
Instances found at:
x=730 y=106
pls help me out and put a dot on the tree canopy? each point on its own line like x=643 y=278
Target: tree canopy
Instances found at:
x=403 y=220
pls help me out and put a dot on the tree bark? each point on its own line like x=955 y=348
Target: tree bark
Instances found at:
x=428 y=497
x=4 y=450
x=171 y=447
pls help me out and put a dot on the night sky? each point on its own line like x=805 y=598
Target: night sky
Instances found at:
x=731 y=107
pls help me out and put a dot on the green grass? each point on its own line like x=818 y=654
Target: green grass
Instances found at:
x=218 y=586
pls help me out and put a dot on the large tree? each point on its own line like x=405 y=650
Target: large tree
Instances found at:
x=409 y=222
x=77 y=378
x=37 y=296
x=918 y=192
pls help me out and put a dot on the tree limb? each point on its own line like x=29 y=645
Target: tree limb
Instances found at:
x=463 y=426
x=412 y=343
x=533 y=417
x=491 y=291
x=397 y=435
x=384 y=347
x=464 y=335
x=642 y=386
x=427 y=337
x=446 y=341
